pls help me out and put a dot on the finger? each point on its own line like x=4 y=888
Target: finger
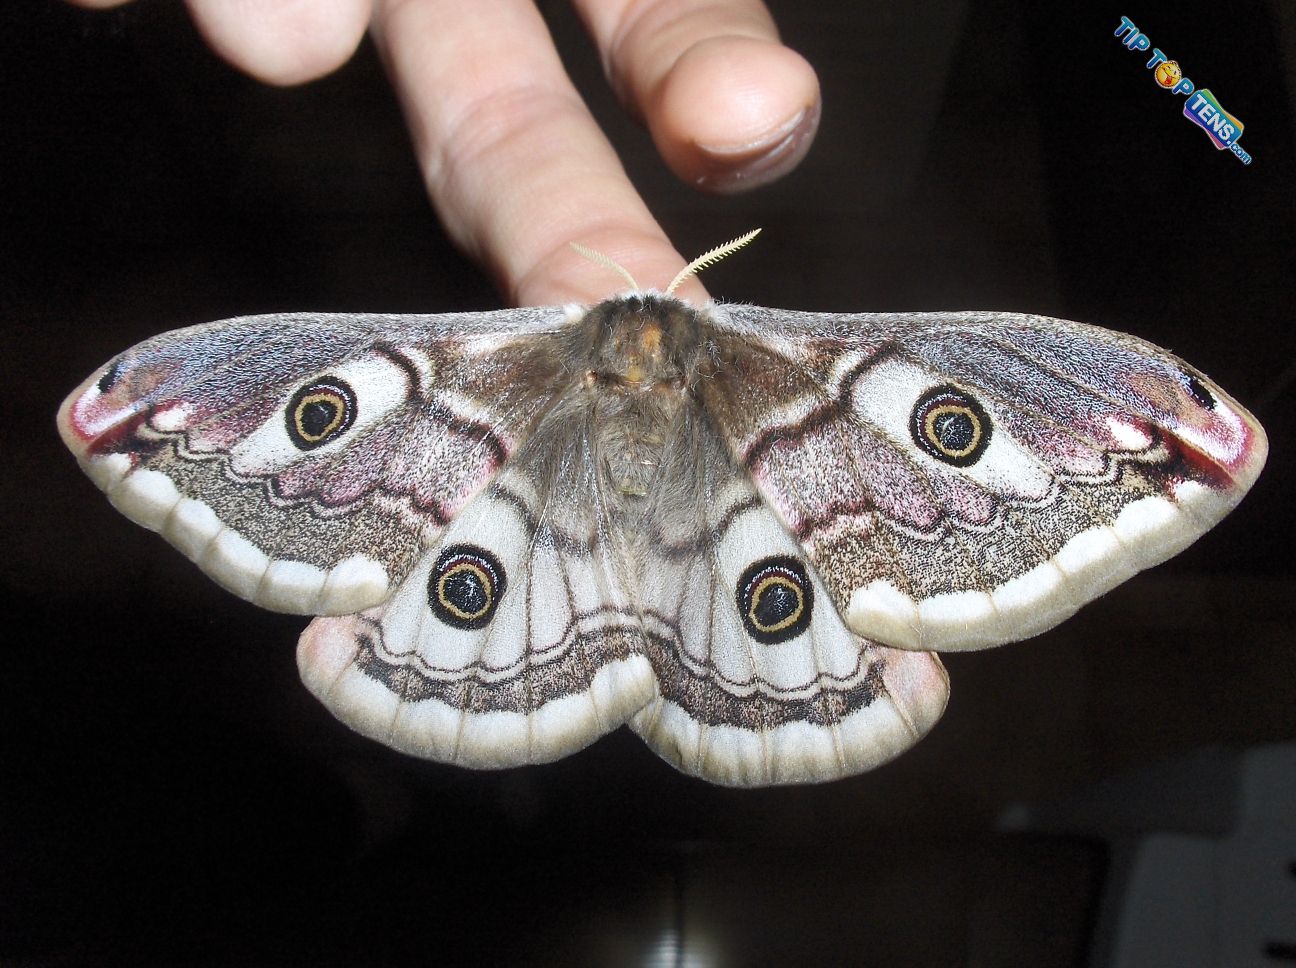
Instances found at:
x=729 y=107
x=282 y=41
x=514 y=163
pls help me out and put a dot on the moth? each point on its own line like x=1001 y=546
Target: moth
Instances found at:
x=741 y=531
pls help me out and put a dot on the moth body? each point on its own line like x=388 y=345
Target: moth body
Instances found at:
x=643 y=352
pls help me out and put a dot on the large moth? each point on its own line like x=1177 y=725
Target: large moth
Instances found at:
x=741 y=531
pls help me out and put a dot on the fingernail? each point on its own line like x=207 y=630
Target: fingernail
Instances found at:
x=735 y=168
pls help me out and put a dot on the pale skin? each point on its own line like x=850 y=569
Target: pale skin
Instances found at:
x=515 y=165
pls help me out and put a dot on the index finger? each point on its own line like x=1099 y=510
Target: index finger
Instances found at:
x=515 y=164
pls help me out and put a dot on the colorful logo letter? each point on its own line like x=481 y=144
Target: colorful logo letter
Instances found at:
x=1220 y=126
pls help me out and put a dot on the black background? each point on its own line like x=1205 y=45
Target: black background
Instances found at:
x=170 y=794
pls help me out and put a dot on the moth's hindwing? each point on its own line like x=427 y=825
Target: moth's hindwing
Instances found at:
x=759 y=679
x=708 y=631
x=515 y=638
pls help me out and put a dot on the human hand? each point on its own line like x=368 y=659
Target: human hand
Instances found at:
x=515 y=164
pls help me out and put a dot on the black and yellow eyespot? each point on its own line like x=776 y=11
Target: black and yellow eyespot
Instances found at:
x=321 y=411
x=465 y=586
x=775 y=599
x=951 y=426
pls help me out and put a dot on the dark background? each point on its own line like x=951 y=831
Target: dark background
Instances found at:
x=170 y=794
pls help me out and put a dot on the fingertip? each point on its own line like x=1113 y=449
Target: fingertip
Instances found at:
x=562 y=275
x=735 y=113
x=283 y=43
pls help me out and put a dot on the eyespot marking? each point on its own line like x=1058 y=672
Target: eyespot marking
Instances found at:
x=321 y=411
x=1199 y=391
x=110 y=377
x=775 y=599
x=951 y=426
x=465 y=586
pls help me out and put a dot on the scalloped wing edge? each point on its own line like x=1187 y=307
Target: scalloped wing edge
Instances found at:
x=916 y=693
x=150 y=499
x=1145 y=533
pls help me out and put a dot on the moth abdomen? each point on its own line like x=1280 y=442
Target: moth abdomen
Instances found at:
x=632 y=436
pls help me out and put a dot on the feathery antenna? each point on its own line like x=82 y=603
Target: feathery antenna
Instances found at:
x=598 y=258
x=710 y=258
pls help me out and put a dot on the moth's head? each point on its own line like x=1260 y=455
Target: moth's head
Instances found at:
x=641 y=340
x=646 y=340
